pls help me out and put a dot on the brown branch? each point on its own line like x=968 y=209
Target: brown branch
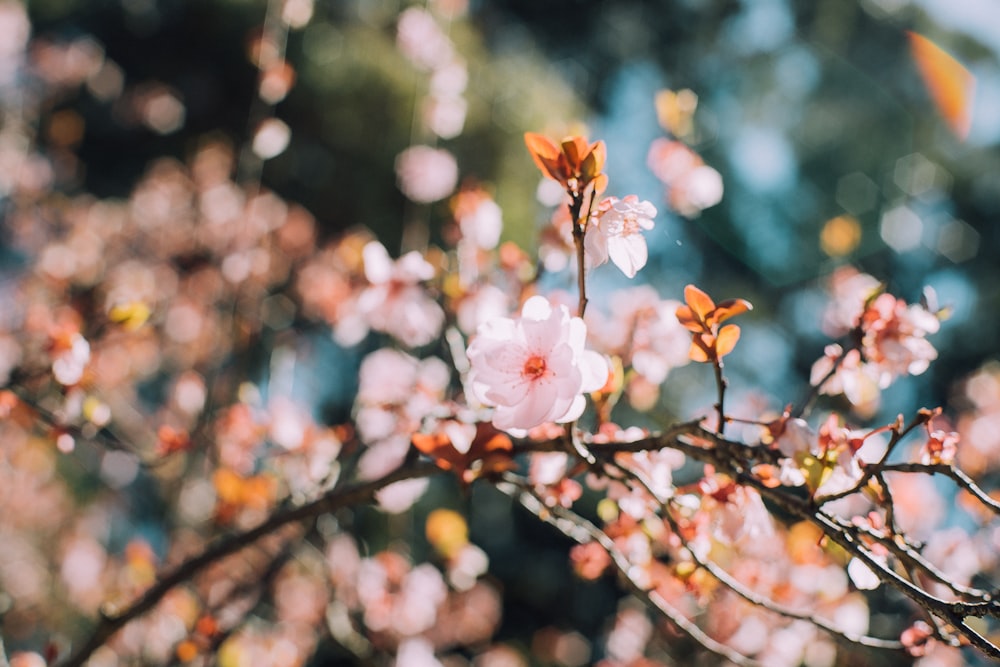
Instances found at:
x=873 y=470
x=579 y=233
x=851 y=541
x=333 y=500
x=948 y=470
x=581 y=530
x=905 y=552
x=727 y=580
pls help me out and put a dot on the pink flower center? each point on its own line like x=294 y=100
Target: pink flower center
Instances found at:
x=534 y=367
x=630 y=224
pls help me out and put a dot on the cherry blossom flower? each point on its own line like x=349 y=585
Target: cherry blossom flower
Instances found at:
x=534 y=369
x=643 y=330
x=421 y=40
x=696 y=190
x=940 y=448
x=894 y=337
x=70 y=359
x=848 y=290
x=426 y=174
x=692 y=186
x=893 y=344
x=395 y=302
x=479 y=217
x=616 y=233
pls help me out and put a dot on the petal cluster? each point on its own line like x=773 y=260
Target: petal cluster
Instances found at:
x=615 y=233
x=534 y=369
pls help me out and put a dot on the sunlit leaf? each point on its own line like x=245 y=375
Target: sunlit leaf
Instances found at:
x=727 y=339
x=688 y=319
x=593 y=164
x=950 y=84
x=698 y=352
x=545 y=154
x=699 y=302
x=438 y=446
x=731 y=308
x=675 y=111
x=574 y=148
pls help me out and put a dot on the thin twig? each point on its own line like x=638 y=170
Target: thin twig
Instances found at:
x=948 y=470
x=581 y=530
x=723 y=577
x=329 y=502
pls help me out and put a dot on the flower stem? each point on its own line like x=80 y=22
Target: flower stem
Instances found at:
x=579 y=232
x=720 y=382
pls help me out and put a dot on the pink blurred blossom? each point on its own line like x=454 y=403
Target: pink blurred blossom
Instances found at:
x=426 y=174
x=395 y=302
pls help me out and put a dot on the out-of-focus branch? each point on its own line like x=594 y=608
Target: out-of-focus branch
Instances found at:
x=581 y=530
x=335 y=499
x=742 y=591
x=690 y=438
x=950 y=471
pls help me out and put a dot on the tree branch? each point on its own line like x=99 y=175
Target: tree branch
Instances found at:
x=333 y=500
x=581 y=530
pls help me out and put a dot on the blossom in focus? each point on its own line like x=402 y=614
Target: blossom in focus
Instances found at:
x=426 y=174
x=616 y=233
x=893 y=344
x=395 y=302
x=534 y=369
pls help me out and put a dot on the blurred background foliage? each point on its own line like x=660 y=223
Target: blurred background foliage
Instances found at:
x=830 y=147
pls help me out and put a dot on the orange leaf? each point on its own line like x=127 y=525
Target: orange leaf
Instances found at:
x=541 y=146
x=490 y=449
x=726 y=341
x=438 y=446
x=546 y=155
x=698 y=350
x=689 y=320
x=731 y=308
x=575 y=149
x=593 y=164
x=600 y=184
x=950 y=84
x=699 y=302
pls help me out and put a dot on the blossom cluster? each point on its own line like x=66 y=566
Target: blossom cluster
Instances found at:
x=170 y=354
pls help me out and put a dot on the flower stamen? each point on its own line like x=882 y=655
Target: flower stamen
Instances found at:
x=534 y=367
